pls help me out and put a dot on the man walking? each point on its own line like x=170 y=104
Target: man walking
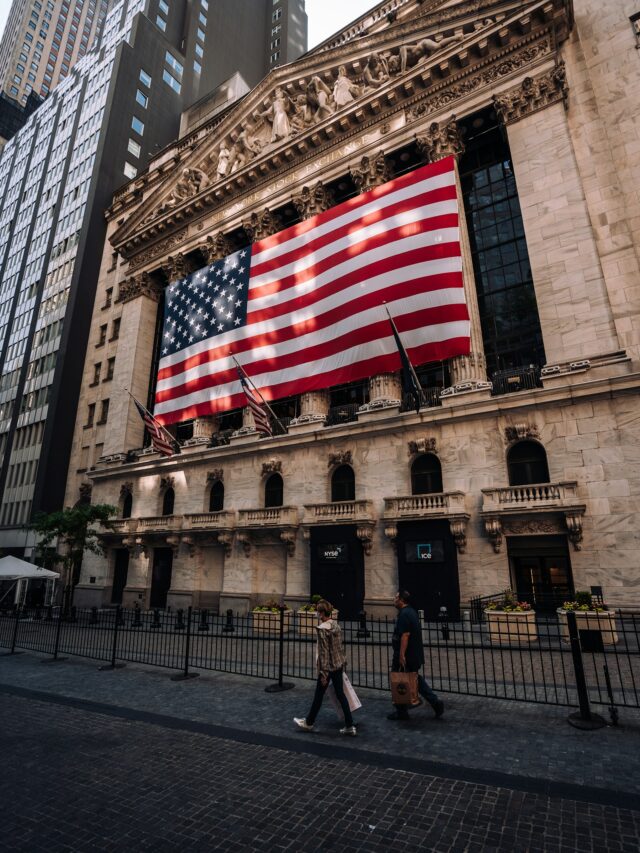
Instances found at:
x=408 y=654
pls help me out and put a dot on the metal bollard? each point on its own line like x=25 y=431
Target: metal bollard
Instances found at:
x=362 y=628
x=155 y=625
x=73 y=615
x=93 y=619
x=444 y=623
x=180 y=626
x=203 y=624
x=37 y=616
x=137 y=622
x=49 y=616
x=229 y=626
x=584 y=718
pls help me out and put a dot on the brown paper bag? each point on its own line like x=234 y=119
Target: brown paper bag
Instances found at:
x=404 y=688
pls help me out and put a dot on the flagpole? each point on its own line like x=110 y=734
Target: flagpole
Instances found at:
x=248 y=378
x=411 y=367
x=174 y=441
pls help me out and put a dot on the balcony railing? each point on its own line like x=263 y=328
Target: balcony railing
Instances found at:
x=342 y=414
x=122 y=526
x=209 y=520
x=530 y=497
x=516 y=379
x=339 y=512
x=429 y=398
x=418 y=506
x=160 y=523
x=277 y=516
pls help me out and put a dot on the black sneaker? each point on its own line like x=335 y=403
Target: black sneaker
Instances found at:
x=438 y=708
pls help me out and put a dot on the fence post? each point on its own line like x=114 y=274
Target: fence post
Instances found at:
x=583 y=719
x=14 y=638
x=56 y=645
x=183 y=676
x=362 y=631
x=114 y=647
x=229 y=627
x=280 y=685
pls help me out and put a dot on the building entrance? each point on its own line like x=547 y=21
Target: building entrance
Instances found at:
x=120 y=571
x=428 y=567
x=337 y=568
x=160 y=576
x=540 y=570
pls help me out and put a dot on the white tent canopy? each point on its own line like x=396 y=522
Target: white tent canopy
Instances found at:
x=11 y=568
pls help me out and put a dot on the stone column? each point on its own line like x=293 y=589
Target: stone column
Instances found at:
x=468 y=372
x=384 y=389
x=140 y=296
x=314 y=405
x=573 y=304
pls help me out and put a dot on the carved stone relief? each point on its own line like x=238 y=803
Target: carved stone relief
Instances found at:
x=273 y=466
x=371 y=172
x=261 y=225
x=342 y=457
x=534 y=93
x=440 y=140
x=167 y=482
x=312 y=201
x=139 y=285
x=422 y=445
x=126 y=489
x=518 y=432
x=215 y=476
x=216 y=248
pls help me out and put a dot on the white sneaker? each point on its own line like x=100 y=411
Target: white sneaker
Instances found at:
x=349 y=730
x=301 y=723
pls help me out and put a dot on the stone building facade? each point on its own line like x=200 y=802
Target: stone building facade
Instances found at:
x=522 y=467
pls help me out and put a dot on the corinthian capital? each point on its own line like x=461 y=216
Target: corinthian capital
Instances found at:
x=262 y=225
x=216 y=248
x=533 y=94
x=440 y=140
x=175 y=267
x=139 y=285
x=371 y=172
x=313 y=200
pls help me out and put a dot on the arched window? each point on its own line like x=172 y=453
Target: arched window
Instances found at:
x=216 y=497
x=426 y=475
x=343 y=484
x=127 y=505
x=527 y=463
x=168 y=501
x=273 y=491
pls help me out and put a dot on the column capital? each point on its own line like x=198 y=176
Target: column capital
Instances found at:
x=175 y=266
x=440 y=140
x=531 y=95
x=216 y=248
x=261 y=225
x=313 y=200
x=139 y=285
x=371 y=172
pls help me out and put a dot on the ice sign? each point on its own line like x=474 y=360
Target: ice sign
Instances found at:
x=424 y=551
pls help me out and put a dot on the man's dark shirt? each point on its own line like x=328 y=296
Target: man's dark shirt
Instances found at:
x=408 y=623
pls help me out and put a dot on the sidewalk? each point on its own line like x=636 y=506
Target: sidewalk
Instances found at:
x=476 y=740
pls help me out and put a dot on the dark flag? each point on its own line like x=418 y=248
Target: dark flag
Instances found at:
x=410 y=382
x=160 y=438
x=260 y=417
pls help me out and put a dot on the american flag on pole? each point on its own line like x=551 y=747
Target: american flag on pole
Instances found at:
x=159 y=437
x=260 y=417
x=303 y=309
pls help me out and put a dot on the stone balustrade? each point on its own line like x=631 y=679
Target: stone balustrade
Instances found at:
x=277 y=516
x=339 y=512
x=437 y=504
x=530 y=497
x=209 y=520
x=159 y=523
x=122 y=526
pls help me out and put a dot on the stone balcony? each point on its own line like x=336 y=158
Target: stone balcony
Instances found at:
x=534 y=508
x=159 y=523
x=445 y=505
x=253 y=524
x=209 y=528
x=359 y=513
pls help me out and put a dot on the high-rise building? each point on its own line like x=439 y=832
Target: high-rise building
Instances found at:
x=118 y=105
x=42 y=41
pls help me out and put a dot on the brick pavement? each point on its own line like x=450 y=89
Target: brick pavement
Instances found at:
x=215 y=762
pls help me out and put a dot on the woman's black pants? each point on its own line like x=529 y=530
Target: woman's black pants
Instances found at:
x=336 y=679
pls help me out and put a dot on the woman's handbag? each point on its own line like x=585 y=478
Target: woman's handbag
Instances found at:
x=404 y=688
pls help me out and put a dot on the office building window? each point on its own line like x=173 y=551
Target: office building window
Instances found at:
x=110 y=368
x=141 y=98
x=137 y=125
x=276 y=15
x=115 y=330
x=145 y=78
x=197 y=67
x=130 y=171
x=275 y=56
x=103 y=336
x=172 y=62
x=204 y=4
x=203 y=19
x=201 y=34
x=162 y=24
x=164 y=7
x=91 y=413
x=199 y=50
x=104 y=412
x=96 y=373
x=133 y=148
x=171 y=81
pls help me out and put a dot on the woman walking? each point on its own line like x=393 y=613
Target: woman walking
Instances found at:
x=331 y=661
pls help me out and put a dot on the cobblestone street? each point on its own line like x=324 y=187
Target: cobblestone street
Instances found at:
x=130 y=760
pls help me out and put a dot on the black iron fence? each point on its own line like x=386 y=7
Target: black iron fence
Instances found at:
x=576 y=659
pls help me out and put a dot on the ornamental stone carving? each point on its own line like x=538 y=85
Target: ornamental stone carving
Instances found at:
x=518 y=432
x=342 y=457
x=458 y=527
x=533 y=94
x=261 y=225
x=126 y=489
x=527 y=527
x=215 y=476
x=493 y=528
x=139 y=285
x=175 y=267
x=273 y=466
x=84 y=491
x=440 y=140
x=167 y=482
x=312 y=201
x=422 y=445
x=216 y=248
x=371 y=172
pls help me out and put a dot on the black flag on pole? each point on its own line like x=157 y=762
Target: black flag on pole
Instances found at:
x=410 y=382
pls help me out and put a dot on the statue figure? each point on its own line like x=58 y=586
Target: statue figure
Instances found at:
x=277 y=113
x=319 y=95
x=376 y=71
x=344 y=91
x=223 y=161
x=302 y=115
x=196 y=179
x=237 y=158
x=247 y=143
x=411 y=54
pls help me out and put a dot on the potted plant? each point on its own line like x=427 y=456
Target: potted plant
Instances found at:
x=308 y=618
x=590 y=616
x=510 y=620
x=266 y=618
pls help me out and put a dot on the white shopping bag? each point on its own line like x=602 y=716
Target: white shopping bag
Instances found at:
x=349 y=692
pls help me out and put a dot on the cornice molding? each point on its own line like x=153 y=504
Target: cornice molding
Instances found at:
x=532 y=95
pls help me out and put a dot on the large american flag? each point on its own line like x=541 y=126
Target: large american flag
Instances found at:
x=304 y=309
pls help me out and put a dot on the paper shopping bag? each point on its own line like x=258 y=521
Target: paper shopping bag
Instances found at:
x=404 y=688
x=349 y=692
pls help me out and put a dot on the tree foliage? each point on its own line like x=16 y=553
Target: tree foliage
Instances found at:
x=64 y=535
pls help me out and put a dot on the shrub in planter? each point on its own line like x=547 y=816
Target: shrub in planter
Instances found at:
x=308 y=618
x=590 y=616
x=511 y=621
x=266 y=618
